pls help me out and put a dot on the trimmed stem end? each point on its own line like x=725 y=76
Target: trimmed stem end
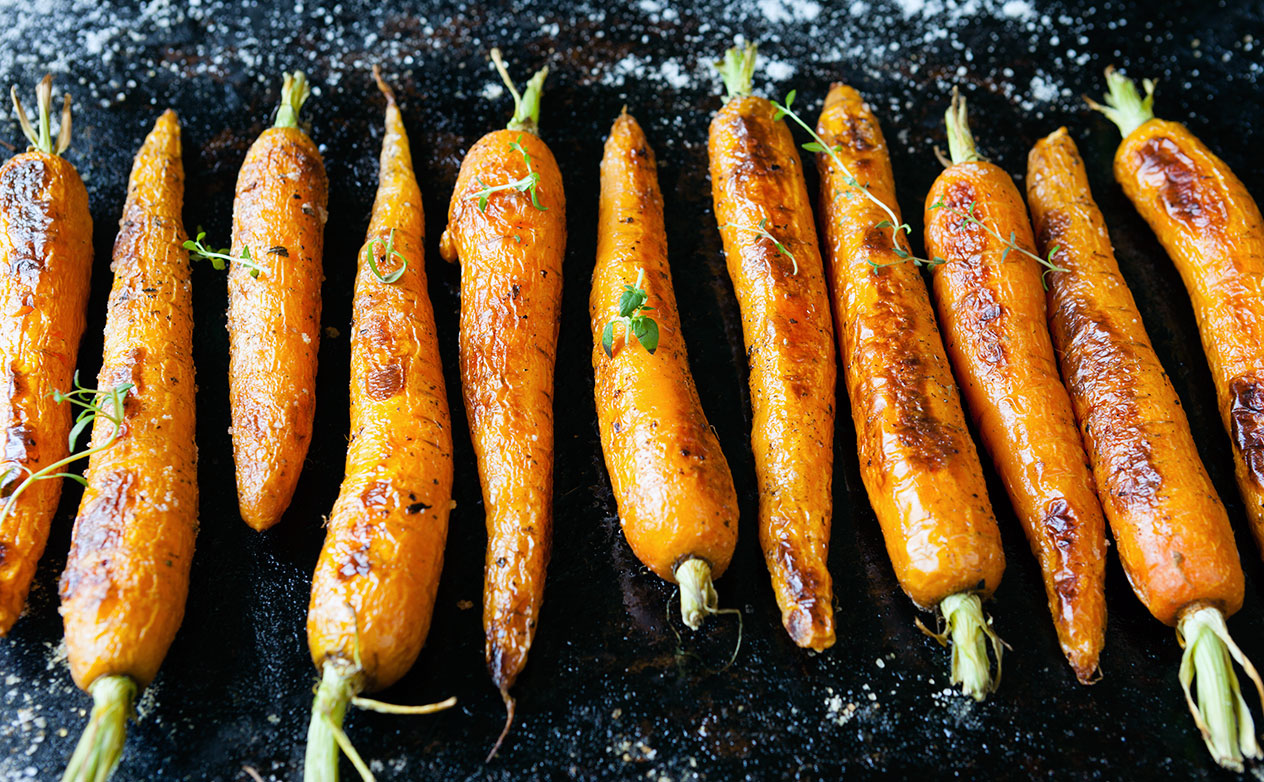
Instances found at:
x=334 y=693
x=697 y=593
x=738 y=69
x=42 y=140
x=1220 y=713
x=101 y=745
x=1124 y=105
x=295 y=90
x=961 y=146
x=526 y=114
x=971 y=633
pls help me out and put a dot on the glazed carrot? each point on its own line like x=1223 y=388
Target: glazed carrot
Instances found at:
x=507 y=227
x=374 y=587
x=992 y=307
x=671 y=481
x=274 y=309
x=917 y=460
x=1213 y=232
x=765 y=218
x=1173 y=534
x=45 y=268
x=127 y=576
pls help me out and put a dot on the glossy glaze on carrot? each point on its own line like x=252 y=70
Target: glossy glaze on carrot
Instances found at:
x=274 y=319
x=919 y=464
x=1171 y=529
x=127 y=576
x=510 y=248
x=671 y=481
x=991 y=305
x=45 y=271
x=379 y=569
x=1211 y=228
x=757 y=179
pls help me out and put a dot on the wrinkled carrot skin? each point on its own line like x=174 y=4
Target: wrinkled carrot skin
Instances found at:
x=45 y=271
x=992 y=308
x=1212 y=229
x=671 y=481
x=379 y=569
x=511 y=291
x=127 y=576
x=1172 y=531
x=274 y=320
x=918 y=462
x=756 y=175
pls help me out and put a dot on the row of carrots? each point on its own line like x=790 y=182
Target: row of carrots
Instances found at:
x=1037 y=327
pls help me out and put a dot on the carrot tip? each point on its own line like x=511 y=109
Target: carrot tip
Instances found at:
x=510 y=707
x=970 y=632
x=383 y=86
x=697 y=592
x=1124 y=105
x=737 y=69
x=961 y=148
x=1220 y=713
x=101 y=745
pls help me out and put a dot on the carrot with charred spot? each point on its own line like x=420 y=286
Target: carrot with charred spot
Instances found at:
x=765 y=218
x=1212 y=229
x=374 y=588
x=127 y=576
x=507 y=227
x=919 y=465
x=274 y=308
x=45 y=271
x=1173 y=534
x=671 y=481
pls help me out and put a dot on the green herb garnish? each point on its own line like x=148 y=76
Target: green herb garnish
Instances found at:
x=762 y=231
x=219 y=258
x=370 y=253
x=525 y=185
x=635 y=323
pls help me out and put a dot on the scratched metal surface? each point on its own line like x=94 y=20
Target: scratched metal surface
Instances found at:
x=610 y=692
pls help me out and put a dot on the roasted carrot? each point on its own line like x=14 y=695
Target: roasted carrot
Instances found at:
x=671 y=481
x=992 y=307
x=919 y=465
x=507 y=227
x=274 y=308
x=765 y=218
x=1213 y=232
x=374 y=587
x=1173 y=534
x=127 y=577
x=45 y=269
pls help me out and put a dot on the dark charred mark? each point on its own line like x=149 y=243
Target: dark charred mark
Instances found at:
x=279 y=250
x=24 y=198
x=384 y=382
x=1246 y=416
x=1165 y=166
x=99 y=528
x=417 y=507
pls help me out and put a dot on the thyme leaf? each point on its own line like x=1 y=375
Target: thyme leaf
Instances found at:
x=636 y=323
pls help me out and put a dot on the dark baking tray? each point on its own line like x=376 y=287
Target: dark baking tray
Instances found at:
x=610 y=692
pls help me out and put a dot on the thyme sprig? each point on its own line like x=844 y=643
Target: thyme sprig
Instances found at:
x=219 y=258
x=762 y=231
x=636 y=324
x=370 y=256
x=525 y=185
x=892 y=223
x=92 y=403
x=968 y=217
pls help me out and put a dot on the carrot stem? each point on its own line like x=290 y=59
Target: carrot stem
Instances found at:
x=1124 y=105
x=697 y=593
x=339 y=683
x=960 y=140
x=526 y=114
x=1220 y=713
x=295 y=90
x=43 y=140
x=737 y=69
x=101 y=745
x=970 y=632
